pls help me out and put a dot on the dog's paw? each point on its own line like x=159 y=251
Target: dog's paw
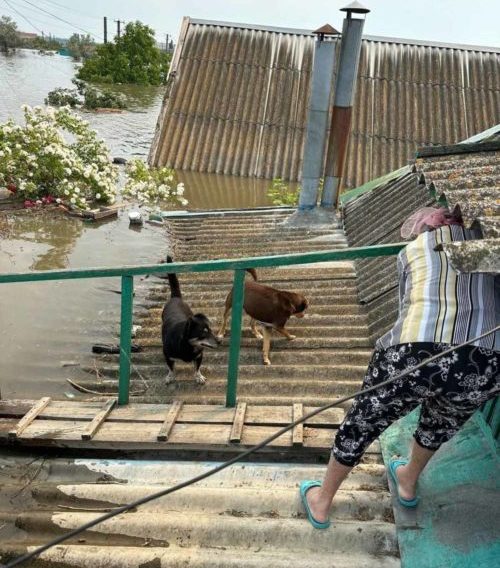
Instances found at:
x=170 y=378
x=291 y=337
x=200 y=379
x=258 y=335
x=266 y=361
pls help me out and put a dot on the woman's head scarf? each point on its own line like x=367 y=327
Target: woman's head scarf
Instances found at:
x=429 y=218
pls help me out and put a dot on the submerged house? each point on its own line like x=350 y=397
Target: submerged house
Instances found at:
x=237 y=100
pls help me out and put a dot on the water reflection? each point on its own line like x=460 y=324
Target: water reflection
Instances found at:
x=55 y=230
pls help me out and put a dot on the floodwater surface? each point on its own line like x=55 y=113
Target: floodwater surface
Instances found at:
x=46 y=328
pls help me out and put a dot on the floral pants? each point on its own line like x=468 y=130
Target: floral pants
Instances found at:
x=449 y=389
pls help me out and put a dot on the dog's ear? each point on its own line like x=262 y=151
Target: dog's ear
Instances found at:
x=187 y=326
x=289 y=306
x=202 y=319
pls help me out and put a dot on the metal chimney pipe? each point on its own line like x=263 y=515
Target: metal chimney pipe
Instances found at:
x=317 y=118
x=344 y=97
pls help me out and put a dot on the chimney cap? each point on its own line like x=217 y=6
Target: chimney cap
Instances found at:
x=327 y=29
x=356 y=8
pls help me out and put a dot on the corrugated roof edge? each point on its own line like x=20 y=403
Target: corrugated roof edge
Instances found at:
x=383 y=39
x=493 y=133
x=374 y=184
x=460 y=148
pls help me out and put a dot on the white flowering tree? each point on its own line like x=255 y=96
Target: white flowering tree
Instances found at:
x=153 y=186
x=56 y=155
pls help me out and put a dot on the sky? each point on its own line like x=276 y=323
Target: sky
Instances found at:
x=451 y=21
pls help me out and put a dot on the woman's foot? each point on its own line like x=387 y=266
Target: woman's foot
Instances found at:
x=319 y=507
x=407 y=487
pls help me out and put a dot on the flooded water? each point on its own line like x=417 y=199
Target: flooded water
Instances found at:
x=46 y=327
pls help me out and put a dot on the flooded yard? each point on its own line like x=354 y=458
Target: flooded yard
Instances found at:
x=46 y=327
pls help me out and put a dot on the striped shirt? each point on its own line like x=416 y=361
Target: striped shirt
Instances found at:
x=436 y=303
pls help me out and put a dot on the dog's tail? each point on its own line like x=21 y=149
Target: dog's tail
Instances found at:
x=175 y=289
x=253 y=273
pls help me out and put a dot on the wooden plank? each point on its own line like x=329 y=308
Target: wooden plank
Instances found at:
x=129 y=436
x=146 y=412
x=98 y=420
x=298 y=430
x=169 y=422
x=238 y=422
x=29 y=417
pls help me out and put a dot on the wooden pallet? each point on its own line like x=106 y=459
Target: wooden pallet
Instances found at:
x=161 y=427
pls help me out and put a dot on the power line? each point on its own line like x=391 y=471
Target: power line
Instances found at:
x=61 y=19
x=43 y=21
x=73 y=10
x=24 y=17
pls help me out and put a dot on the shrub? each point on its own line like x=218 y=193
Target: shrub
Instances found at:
x=281 y=194
x=56 y=153
x=86 y=96
x=93 y=98
x=63 y=97
x=152 y=185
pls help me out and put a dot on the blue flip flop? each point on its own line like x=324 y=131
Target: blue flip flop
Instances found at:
x=393 y=466
x=304 y=488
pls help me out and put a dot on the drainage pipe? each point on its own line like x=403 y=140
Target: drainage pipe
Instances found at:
x=317 y=117
x=344 y=97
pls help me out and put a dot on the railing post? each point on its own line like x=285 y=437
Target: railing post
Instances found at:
x=125 y=338
x=235 y=339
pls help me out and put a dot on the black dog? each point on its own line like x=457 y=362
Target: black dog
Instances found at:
x=184 y=334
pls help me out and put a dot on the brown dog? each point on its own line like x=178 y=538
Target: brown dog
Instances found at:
x=270 y=307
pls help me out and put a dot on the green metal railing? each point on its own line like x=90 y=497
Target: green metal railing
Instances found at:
x=127 y=274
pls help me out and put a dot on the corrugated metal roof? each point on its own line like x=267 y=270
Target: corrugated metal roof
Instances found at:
x=238 y=94
x=468 y=175
x=375 y=217
x=248 y=516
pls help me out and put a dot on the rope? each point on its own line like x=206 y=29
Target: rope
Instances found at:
x=222 y=466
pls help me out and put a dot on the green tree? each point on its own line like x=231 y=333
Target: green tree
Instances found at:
x=81 y=46
x=8 y=33
x=132 y=58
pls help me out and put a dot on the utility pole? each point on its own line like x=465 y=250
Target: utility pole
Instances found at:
x=166 y=42
x=105 y=29
x=118 y=22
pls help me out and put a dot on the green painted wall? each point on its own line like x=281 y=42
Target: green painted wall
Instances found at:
x=457 y=522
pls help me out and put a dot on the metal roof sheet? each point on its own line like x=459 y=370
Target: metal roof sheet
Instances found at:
x=248 y=516
x=237 y=101
x=468 y=175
